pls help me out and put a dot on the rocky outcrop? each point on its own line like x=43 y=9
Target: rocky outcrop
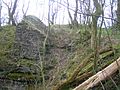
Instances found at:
x=36 y=23
x=29 y=38
x=30 y=34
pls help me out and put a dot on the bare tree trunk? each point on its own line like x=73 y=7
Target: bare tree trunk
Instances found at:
x=94 y=37
x=71 y=19
x=74 y=21
x=54 y=13
x=80 y=2
x=88 y=11
x=25 y=11
x=112 y=15
x=13 y=12
x=102 y=21
x=0 y=11
x=118 y=14
x=75 y=14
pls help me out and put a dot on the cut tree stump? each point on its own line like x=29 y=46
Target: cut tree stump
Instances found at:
x=100 y=76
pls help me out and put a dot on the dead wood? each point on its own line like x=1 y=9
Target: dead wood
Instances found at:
x=100 y=76
x=74 y=76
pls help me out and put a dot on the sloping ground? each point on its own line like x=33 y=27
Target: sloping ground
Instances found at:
x=56 y=56
x=82 y=64
x=68 y=60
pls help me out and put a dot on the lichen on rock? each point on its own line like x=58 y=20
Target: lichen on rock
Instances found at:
x=30 y=34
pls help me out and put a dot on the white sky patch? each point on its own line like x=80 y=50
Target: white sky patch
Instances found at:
x=40 y=9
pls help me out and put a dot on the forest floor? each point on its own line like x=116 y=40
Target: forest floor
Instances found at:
x=73 y=57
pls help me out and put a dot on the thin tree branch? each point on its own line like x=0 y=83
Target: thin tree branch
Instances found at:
x=88 y=14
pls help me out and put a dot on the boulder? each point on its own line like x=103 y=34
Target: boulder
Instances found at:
x=29 y=38
x=36 y=23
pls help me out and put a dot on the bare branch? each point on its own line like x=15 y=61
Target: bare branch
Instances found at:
x=25 y=12
x=88 y=14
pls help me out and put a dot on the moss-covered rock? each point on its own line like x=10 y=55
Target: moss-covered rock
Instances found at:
x=7 y=36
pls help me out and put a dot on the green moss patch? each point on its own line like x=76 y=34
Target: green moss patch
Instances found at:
x=21 y=76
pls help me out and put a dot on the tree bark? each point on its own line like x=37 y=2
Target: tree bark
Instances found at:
x=74 y=22
x=95 y=17
x=118 y=14
x=0 y=11
x=75 y=14
x=100 y=76
x=94 y=37
x=11 y=12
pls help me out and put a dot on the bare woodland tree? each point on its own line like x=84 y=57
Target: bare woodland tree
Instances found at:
x=0 y=11
x=11 y=11
x=80 y=20
x=112 y=13
x=94 y=37
x=25 y=11
x=118 y=14
x=54 y=11
x=86 y=17
x=87 y=7
x=75 y=14
x=73 y=20
x=84 y=13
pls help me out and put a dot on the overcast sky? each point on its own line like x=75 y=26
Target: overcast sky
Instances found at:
x=39 y=8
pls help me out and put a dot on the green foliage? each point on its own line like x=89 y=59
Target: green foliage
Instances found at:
x=26 y=62
x=79 y=41
x=7 y=64
x=7 y=35
x=21 y=76
x=6 y=40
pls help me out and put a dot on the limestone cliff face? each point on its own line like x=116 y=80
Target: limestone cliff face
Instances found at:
x=29 y=38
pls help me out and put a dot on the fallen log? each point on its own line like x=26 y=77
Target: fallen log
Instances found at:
x=81 y=78
x=100 y=76
x=73 y=77
x=60 y=85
